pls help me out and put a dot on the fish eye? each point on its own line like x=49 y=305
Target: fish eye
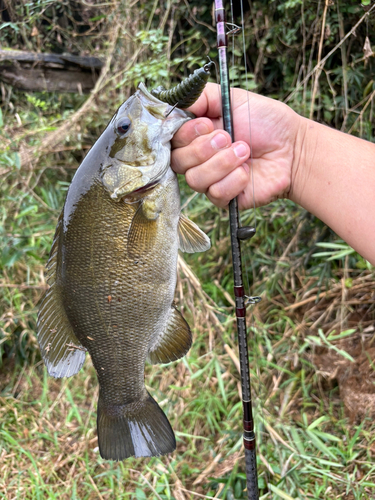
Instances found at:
x=123 y=126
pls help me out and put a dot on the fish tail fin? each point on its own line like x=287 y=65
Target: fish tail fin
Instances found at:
x=139 y=429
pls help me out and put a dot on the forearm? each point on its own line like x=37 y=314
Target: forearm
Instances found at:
x=333 y=177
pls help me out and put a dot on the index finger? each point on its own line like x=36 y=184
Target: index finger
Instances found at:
x=209 y=102
x=208 y=105
x=190 y=131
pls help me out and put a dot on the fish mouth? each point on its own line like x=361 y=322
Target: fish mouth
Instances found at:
x=139 y=193
x=145 y=188
x=125 y=179
x=120 y=192
x=150 y=182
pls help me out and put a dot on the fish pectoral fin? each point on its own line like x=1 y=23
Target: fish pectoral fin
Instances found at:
x=62 y=352
x=142 y=234
x=174 y=342
x=191 y=238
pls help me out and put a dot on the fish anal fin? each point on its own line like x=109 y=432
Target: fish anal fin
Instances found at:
x=174 y=342
x=142 y=234
x=191 y=238
x=62 y=352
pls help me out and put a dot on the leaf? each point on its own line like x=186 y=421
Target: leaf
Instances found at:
x=329 y=463
x=198 y=373
x=193 y=436
x=322 y=254
x=314 y=340
x=17 y=161
x=220 y=381
x=344 y=354
x=338 y=250
x=327 y=437
x=281 y=493
x=341 y=335
x=353 y=9
x=332 y=245
x=317 y=422
x=368 y=87
x=31 y=208
x=11 y=25
x=298 y=442
x=341 y=254
x=318 y=443
x=140 y=495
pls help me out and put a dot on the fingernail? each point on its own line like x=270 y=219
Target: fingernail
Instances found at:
x=240 y=150
x=220 y=141
x=201 y=129
x=246 y=167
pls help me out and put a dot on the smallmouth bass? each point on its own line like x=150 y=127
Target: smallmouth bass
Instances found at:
x=112 y=272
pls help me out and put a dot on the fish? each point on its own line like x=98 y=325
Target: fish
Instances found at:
x=112 y=272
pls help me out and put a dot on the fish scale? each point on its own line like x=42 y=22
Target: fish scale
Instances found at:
x=93 y=274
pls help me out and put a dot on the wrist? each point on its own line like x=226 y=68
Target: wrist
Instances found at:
x=333 y=177
x=305 y=150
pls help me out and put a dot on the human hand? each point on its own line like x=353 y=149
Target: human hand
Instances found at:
x=213 y=165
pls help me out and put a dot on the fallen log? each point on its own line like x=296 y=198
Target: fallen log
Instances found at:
x=49 y=72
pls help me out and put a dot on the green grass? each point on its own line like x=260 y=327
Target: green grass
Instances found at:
x=306 y=446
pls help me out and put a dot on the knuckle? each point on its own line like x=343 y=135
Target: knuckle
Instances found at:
x=217 y=194
x=242 y=176
x=235 y=160
x=194 y=181
x=202 y=150
x=217 y=203
x=228 y=160
x=176 y=164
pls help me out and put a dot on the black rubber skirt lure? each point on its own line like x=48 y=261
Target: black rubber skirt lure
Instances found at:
x=187 y=92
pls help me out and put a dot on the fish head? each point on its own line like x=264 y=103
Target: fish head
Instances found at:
x=139 y=155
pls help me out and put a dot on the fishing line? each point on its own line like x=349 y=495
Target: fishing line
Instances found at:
x=248 y=112
x=252 y=300
x=247 y=257
x=237 y=234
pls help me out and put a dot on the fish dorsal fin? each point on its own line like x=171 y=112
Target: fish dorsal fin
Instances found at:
x=142 y=234
x=191 y=238
x=62 y=352
x=174 y=342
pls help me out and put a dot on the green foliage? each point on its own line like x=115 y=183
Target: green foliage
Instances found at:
x=38 y=103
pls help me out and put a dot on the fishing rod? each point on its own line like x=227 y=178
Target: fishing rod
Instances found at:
x=237 y=234
x=183 y=96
